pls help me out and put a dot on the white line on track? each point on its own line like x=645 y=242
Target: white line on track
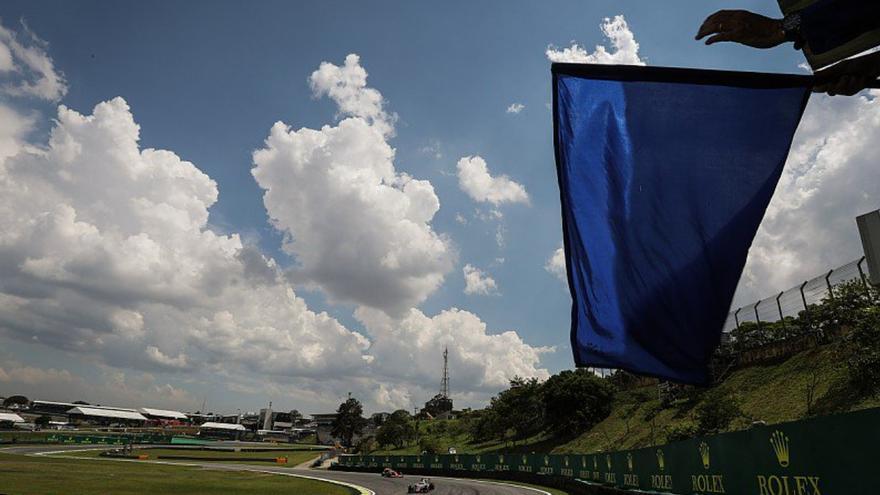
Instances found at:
x=538 y=490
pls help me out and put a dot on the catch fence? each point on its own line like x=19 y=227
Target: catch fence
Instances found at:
x=791 y=302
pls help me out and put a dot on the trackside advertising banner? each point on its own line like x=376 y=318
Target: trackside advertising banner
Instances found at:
x=831 y=455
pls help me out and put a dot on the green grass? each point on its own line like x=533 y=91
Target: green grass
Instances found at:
x=294 y=456
x=51 y=476
x=770 y=393
x=453 y=433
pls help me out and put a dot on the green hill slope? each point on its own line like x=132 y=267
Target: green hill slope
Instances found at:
x=770 y=393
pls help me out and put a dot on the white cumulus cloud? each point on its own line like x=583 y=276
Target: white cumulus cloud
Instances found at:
x=23 y=56
x=555 y=265
x=830 y=177
x=478 y=282
x=105 y=250
x=515 y=108
x=360 y=230
x=475 y=180
x=409 y=348
x=624 y=47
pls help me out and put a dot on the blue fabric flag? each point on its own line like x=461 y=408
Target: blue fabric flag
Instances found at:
x=664 y=177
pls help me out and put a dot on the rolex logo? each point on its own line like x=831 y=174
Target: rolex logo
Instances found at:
x=455 y=459
x=501 y=459
x=780 y=447
x=608 y=461
x=524 y=459
x=565 y=461
x=546 y=460
x=661 y=463
x=704 y=454
x=402 y=459
x=477 y=459
x=584 y=462
x=436 y=458
x=629 y=461
x=595 y=465
x=386 y=458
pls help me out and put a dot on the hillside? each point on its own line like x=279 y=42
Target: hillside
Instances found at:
x=770 y=393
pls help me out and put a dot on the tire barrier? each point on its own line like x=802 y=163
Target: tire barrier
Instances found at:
x=830 y=455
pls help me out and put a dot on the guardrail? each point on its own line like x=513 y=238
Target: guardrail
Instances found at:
x=830 y=455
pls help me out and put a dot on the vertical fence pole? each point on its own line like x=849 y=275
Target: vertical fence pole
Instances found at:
x=806 y=308
x=828 y=283
x=862 y=276
x=736 y=317
x=779 y=307
x=757 y=318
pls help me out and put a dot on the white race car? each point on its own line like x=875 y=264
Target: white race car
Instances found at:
x=424 y=485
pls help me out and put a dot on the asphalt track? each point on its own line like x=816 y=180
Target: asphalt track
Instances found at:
x=373 y=483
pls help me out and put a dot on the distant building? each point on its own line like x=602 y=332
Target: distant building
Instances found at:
x=9 y=420
x=163 y=415
x=225 y=431
x=324 y=427
x=105 y=416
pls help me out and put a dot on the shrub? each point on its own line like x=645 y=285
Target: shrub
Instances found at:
x=575 y=401
x=861 y=352
x=681 y=432
x=715 y=413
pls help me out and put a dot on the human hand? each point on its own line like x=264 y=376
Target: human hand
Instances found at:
x=741 y=26
x=849 y=76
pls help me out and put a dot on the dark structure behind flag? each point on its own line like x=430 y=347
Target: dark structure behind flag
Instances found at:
x=664 y=177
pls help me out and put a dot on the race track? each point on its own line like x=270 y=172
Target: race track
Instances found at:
x=372 y=482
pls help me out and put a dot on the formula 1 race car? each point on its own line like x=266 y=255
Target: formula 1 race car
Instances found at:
x=424 y=485
x=390 y=473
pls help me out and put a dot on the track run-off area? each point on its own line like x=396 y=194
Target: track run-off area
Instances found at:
x=364 y=483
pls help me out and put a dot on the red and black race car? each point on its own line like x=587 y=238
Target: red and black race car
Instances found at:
x=390 y=473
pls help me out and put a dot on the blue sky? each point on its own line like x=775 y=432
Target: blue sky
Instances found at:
x=207 y=80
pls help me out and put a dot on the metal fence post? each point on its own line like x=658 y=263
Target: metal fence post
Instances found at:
x=757 y=318
x=828 y=283
x=864 y=279
x=779 y=307
x=736 y=317
x=804 y=299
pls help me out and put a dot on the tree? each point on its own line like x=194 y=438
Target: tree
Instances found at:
x=398 y=430
x=19 y=401
x=861 y=352
x=519 y=410
x=715 y=413
x=575 y=401
x=295 y=416
x=42 y=421
x=349 y=421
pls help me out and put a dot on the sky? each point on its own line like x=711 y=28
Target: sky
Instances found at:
x=220 y=204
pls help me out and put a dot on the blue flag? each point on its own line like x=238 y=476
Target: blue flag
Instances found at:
x=664 y=177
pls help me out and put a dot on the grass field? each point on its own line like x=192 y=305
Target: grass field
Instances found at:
x=294 y=456
x=50 y=476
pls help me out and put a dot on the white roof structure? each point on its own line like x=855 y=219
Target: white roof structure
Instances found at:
x=107 y=413
x=222 y=426
x=52 y=403
x=162 y=413
x=15 y=418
